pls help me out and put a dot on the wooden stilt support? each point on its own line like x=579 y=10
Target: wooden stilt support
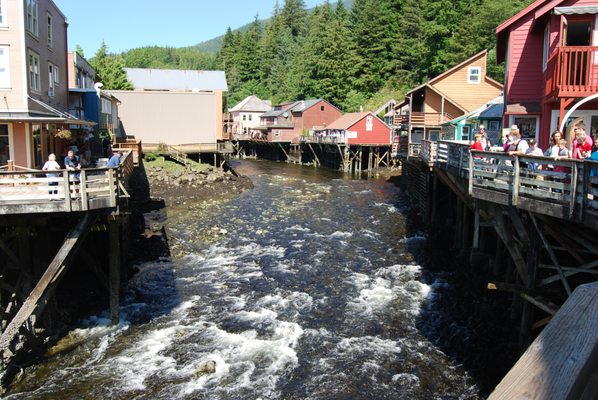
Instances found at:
x=533 y=258
x=114 y=268
x=316 y=159
x=44 y=288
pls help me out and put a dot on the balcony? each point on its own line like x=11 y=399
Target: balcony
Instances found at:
x=572 y=72
x=423 y=119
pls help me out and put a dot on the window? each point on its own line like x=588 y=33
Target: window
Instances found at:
x=249 y=117
x=465 y=132
x=50 y=32
x=244 y=117
x=51 y=79
x=4 y=144
x=3 y=21
x=528 y=126
x=32 y=16
x=4 y=67
x=321 y=108
x=34 y=77
x=473 y=74
x=56 y=75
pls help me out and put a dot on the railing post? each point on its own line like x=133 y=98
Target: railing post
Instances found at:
x=111 y=177
x=573 y=199
x=471 y=174
x=68 y=207
x=84 y=204
x=516 y=180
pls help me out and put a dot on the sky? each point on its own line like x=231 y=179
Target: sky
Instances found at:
x=126 y=24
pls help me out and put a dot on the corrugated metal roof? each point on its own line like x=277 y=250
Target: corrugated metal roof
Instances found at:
x=494 y=111
x=174 y=79
x=282 y=110
x=305 y=104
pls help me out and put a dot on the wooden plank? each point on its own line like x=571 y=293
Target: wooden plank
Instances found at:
x=51 y=276
x=540 y=303
x=544 y=207
x=561 y=362
x=492 y=196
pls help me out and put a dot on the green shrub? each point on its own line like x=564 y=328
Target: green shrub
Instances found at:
x=151 y=156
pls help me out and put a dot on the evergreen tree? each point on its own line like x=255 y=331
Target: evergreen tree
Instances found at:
x=110 y=69
x=79 y=50
x=293 y=16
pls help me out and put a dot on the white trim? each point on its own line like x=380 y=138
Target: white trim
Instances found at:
x=470 y=74
x=546 y=46
x=586 y=114
x=39 y=72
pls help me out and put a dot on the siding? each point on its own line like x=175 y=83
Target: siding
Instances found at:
x=525 y=82
x=313 y=116
x=174 y=118
x=380 y=133
x=433 y=104
x=468 y=95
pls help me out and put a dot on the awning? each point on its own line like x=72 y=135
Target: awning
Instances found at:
x=576 y=10
x=29 y=117
x=59 y=116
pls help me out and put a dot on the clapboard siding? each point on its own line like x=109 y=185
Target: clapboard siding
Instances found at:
x=468 y=95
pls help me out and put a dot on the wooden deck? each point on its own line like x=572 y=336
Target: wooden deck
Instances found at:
x=563 y=189
x=34 y=191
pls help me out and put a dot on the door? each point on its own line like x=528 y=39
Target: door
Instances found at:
x=577 y=34
x=4 y=144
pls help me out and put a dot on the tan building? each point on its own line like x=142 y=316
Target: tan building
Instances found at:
x=33 y=81
x=174 y=107
x=454 y=93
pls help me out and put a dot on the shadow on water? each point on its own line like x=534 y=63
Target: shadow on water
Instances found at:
x=462 y=317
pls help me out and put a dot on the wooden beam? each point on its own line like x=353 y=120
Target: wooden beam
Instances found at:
x=8 y=252
x=53 y=273
x=540 y=303
x=551 y=254
x=562 y=362
x=114 y=269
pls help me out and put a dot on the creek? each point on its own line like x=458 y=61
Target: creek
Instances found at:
x=304 y=287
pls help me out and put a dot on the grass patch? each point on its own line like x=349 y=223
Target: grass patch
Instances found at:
x=171 y=166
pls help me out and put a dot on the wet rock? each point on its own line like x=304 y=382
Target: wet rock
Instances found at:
x=205 y=368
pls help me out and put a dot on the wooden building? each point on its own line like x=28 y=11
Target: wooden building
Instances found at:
x=287 y=122
x=362 y=128
x=246 y=116
x=451 y=94
x=464 y=127
x=33 y=80
x=550 y=53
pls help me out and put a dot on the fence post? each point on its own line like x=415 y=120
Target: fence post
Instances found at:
x=471 y=174
x=68 y=207
x=573 y=199
x=83 y=182
x=516 y=170
x=111 y=177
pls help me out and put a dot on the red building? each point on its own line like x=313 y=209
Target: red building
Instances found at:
x=288 y=122
x=550 y=51
x=362 y=128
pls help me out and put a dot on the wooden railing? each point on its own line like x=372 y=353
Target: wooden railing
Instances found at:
x=426 y=119
x=429 y=150
x=414 y=149
x=132 y=145
x=565 y=188
x=572 y=71
x=35 y=191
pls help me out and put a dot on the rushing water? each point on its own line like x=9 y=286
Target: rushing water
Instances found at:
x=302 y=288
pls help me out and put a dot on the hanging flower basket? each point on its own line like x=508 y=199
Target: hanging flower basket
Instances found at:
x=64 y=134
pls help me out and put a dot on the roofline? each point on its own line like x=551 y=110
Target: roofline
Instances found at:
x=483 y=52
x=318 y=100
x=495 y=82
x=365 y=114
x=440 y=93
x=522 y=13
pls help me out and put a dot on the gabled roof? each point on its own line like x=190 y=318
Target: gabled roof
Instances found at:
x=283 y=108
x=427 y=85
x=252 y=103
x=456 y=67
x=540 y=7
x=493 y=109
x=350 y=119
x=174 y=79
x=383 y=106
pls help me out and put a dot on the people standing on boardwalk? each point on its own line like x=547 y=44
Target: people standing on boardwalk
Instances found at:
x=582 y=148
x=517 y=146
x=553 y=149
x=477 y=142
x=535 y=151
x=115 y=159
x=71 y=161
x=486 y=144
x=52 y=165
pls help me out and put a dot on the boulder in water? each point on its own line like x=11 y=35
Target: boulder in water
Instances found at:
x=205 y=368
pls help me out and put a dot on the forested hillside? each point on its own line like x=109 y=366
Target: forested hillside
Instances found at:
x=352 y=57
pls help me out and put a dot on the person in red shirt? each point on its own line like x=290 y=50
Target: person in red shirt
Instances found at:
x=582 y=148
x=477 y=144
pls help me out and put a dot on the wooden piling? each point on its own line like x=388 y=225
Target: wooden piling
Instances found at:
x=114 y=268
